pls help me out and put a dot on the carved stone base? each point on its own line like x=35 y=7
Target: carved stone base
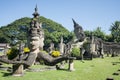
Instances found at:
x=60 y=66
x=18 y=70
x=71 y=65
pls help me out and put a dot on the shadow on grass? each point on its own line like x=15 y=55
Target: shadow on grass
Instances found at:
x=63 y=69
x=115 y=63
x=5 y=74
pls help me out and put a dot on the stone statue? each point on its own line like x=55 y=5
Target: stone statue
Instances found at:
x=78 y=31
x=62 y=46
x=36 y=43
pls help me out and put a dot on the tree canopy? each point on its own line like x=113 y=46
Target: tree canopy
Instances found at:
x=115 y=31
x=97 y=33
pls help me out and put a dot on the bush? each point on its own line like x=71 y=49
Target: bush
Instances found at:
x=86 y=45
x=55 y=53
x=75 y=52
x=12 y=53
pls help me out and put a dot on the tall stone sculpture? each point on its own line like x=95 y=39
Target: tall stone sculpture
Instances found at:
x=78 y=31
x=61 y=46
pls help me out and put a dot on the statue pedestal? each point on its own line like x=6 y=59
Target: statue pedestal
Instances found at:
x=71 y=65
x=17 y=70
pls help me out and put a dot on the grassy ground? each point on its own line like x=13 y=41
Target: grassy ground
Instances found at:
x=97 y=69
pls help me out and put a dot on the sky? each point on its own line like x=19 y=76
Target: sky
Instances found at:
x=90 y=14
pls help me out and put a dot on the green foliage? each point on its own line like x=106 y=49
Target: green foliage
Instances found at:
x=97 y=33
x=113 y=37
x=115 y=31
x=86 y=45
x=12 y=33
x=109 y=38
x=75 y=52
x=12 y=53
x=87 y=33
x=53 y=32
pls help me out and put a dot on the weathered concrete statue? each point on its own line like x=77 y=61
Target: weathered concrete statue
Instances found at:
x=36 y=37
x=78 y=31
x=36 y=43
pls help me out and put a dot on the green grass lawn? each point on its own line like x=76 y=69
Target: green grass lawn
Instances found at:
x=97 y=69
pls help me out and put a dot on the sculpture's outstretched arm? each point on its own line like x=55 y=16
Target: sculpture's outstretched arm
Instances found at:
x=51 y=61
x=28 y=61
x=32 y=57
x=7 y=61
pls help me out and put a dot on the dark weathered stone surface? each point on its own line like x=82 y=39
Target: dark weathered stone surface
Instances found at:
x=51 y=61
x=18 y=70
x=111 y=48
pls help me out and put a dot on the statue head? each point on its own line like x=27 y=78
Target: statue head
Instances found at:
x=80 y=35
x=36 y=38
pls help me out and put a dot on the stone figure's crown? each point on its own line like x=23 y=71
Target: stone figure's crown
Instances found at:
x=35 y=27
x=36 y=32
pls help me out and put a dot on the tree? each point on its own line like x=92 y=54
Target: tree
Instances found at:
x=12 y=33
x=99 y=33
x=109 y=38
x=115 y=31
x=87 y=33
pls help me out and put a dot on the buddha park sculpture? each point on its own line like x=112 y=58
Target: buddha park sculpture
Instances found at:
x=36 y=43
x=78 y=31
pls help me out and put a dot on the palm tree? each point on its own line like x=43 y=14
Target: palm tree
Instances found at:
x=115 y=31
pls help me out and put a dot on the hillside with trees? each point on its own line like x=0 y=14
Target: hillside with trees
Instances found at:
x=17 y=31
